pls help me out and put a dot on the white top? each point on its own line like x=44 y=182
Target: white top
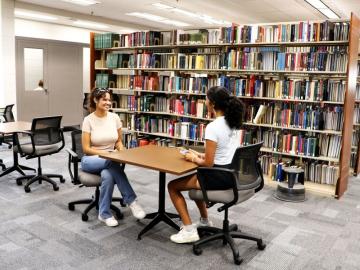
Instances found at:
x=227 y=140
x=103 y=130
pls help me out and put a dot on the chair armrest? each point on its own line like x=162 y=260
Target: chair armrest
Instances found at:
x=17 y=142
x=204 y=172
x=74 y=174
x=72 y=153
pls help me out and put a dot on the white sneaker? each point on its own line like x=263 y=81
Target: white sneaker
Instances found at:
x=137 y=210
x=184 y=236
x=204 y=223
x=111 y=221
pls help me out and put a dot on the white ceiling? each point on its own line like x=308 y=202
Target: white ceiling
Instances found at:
x=237 y=11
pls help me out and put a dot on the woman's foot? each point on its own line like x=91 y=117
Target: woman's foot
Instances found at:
x=111 y=221
x=204 y=222
x=187 y=234
x=136 y=210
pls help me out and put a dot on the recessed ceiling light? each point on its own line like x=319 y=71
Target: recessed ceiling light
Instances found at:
x=32 y=15
x=90 y=24
x=82 y=2
x=322 y=8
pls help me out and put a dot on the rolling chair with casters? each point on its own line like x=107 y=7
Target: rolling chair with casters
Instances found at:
x=8 y=116
x=79 y=177
x=247 y=179
x=47 y=138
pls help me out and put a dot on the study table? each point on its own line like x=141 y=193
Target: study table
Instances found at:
x=10 y=128
x=162 y=159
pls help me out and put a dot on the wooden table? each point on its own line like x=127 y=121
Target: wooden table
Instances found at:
x=11 y=128
x=162 y=159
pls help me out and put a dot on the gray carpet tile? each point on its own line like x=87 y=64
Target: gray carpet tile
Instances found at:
x=37 y=231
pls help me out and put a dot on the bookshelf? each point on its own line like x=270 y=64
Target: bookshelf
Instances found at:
x=163 y=84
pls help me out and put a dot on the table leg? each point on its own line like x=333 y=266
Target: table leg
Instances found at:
x=161 y=214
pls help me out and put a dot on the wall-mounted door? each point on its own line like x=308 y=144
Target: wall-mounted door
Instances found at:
x=32 y=67
x=58 y=67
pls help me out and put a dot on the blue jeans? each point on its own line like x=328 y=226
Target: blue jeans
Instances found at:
x=111 y=173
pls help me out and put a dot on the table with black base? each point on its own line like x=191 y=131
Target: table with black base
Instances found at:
x=11 y=128
x=163 y=159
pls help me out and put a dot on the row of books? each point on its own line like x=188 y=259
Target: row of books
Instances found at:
x=331 y=58
x=357 y=93
x=356 y=116
x=298 y=116
x=299 y=89
x=292 y=32
x=327 y=58
x=314 y=171
x=178 y=106
x=298 y=144
x=170 y=127
x=104 y=80
x=189 y=84
x=251 y=86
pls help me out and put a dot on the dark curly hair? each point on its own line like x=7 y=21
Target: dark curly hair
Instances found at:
x=96 y=94
x=233 y=108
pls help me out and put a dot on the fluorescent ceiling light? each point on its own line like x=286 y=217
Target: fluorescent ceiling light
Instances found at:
x=155 y=18
x=34 y=15
x=329 y=13
x=207 y=19
x=162 y=6
x=316 y=3
x=148 y=16
x=90 y=24
x=176 y=23
x=322 y=8
x=82 y=2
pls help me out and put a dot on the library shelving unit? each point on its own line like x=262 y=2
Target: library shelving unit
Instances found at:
x=305 y=79
x=355 y=160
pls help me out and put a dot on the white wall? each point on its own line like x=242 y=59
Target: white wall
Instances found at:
x=27 y=28
x=7 y=53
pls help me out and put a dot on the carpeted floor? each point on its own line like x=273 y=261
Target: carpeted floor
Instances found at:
x=37 y=231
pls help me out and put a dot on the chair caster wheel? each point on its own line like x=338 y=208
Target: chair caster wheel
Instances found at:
x=84 y=217
x=261 y=245
x=119 y=215
x=197 y=251
x=236 y=227
x=27 y=189
x=238 y=260
x=71 y=207
x=18 y=182
x=56 y=188
x=62 y=180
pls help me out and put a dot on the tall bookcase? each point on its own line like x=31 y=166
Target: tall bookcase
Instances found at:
x=192 y=68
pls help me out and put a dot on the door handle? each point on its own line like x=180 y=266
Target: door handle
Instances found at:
x=46 y=91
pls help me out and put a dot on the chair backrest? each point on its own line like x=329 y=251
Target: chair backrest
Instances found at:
x=8 y=114
x=245 y=163
x=47 y=130
x=76 y=145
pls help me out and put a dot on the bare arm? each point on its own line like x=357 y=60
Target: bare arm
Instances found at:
x=119 y=145
x=208 y=160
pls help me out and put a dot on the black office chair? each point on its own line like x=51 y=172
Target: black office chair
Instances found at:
x=8 y=116
x=47 y=138
x=78 y=176
x=247 y=179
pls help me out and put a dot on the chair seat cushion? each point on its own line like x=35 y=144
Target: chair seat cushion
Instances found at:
x=221 y=196
x=40 y=150
x=89 y=179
